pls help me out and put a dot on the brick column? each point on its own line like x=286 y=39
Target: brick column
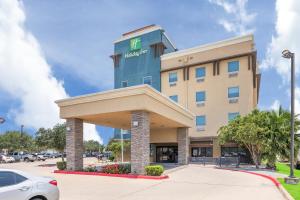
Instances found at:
x=74 y=144
x=183 y=145
x=140 y=141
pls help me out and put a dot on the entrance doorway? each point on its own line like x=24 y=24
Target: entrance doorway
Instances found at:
x=167 y=154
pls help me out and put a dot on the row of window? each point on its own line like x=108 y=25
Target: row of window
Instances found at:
x=146 y=80
x=201 y=119
x=233 y=92
x=200 y=72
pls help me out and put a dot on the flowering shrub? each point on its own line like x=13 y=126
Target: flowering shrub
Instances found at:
x=117 y=169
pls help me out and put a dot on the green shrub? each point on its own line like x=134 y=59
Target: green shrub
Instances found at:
x=61 y=165
x=90 y=169
x=154 y=170
x=117 y=169
x=111 y=158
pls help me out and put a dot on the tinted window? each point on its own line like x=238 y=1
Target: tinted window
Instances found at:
x=200 y=96
x=148 y=80
x=172 y=77
x=233 y=92
x=124 y=83
x=10 y=178
x=200 y=120
x=174 y=98
x=200 y=72
x=233 y=66
x=232 y=116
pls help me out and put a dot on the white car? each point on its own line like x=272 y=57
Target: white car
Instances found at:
x=18 y=185
x=6 y=159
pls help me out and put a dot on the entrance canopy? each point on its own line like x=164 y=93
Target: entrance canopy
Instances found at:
x=113 y=108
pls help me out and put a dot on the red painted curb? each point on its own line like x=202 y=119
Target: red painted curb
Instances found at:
x=274 y=180
x=112 y=175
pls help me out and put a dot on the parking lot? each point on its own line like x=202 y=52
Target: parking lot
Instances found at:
x=191 y=182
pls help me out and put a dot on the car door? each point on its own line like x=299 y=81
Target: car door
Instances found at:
x=14 y=186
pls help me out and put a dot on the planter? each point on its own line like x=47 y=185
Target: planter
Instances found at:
x=134 y=176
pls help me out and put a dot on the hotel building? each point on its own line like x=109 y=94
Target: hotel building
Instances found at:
x=170 y=102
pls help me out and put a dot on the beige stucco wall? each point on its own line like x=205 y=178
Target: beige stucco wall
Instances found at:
x=166 y=135
x=216 y=106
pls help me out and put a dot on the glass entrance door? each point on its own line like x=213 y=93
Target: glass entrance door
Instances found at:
x=167 y=154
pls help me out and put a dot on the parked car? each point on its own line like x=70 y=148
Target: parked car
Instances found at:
x=18 y=156
x=39 y=157
x=6 y=159
x=18 y=185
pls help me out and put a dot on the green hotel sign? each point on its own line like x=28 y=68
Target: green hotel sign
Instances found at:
x=135 y=48
x=135 y=44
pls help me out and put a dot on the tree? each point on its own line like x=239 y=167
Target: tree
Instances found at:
x=15 y=141
x=115 y=147
x=58 y=138
x=91 y=146
x=43 y=139
x=265 y=134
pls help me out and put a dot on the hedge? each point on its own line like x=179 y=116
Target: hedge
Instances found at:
x=61 y=165
x=154 y=170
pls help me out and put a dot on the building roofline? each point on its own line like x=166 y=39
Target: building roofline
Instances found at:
x=133 y=90
x=209 y=46
x=138 y=32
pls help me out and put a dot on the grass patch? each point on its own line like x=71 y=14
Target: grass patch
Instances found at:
x=294 y=190
x=284 y=168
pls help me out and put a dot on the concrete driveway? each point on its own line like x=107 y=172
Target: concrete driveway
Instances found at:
x=192 y=182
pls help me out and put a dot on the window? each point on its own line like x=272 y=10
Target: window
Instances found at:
x=174 y=98
x=172 y=77
x=10 y=178
x=202 y=152
x=233 y=66
x=233 y=92
x=200 y=96
x=147 y=80
x=200 y=72
x=232 y=116
x=124 y=83
x=200 y=120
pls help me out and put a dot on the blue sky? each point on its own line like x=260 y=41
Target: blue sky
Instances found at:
x=76 y=38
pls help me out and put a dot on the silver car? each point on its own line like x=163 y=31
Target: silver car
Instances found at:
x=18 y=185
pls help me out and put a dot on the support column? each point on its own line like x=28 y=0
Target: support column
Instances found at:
x=74 y=144
x=183 y=145
x=140 y=141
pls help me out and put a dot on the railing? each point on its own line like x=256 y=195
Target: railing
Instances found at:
x=221 y=161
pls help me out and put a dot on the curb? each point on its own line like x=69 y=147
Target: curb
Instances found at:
x=132 y=176
x=278 y=185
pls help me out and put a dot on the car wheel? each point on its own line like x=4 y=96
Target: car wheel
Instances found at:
x=37 y=198
x=26 y=159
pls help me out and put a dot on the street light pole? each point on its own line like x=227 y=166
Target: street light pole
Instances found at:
x=292 y=113
x=291 y=179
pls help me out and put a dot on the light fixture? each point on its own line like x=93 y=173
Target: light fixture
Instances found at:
x=135 y=123
x=287 y=54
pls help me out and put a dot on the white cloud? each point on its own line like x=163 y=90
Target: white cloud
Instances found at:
x=238 y=20
x=275 y=105
x=286 y=37
x=25 y=74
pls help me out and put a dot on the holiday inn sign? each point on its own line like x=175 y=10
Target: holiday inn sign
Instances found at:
x=135 y=48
